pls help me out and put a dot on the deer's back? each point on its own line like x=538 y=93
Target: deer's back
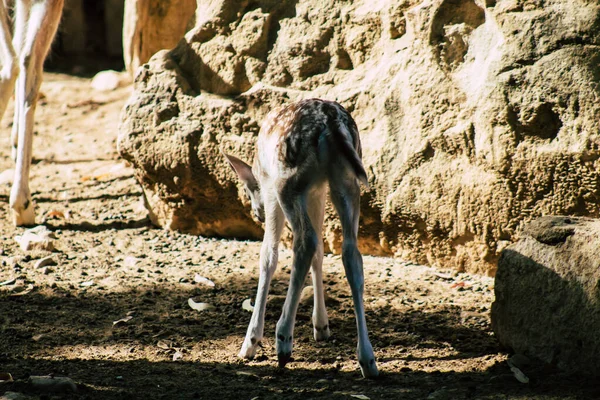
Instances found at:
x=303 y=134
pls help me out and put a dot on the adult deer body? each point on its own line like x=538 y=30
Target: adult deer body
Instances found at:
x=22 y=55
x=302 y=148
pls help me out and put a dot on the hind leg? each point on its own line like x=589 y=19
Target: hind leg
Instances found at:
x=316 y=211
x=345 y=195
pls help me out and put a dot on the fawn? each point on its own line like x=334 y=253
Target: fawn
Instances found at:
x=301 y=147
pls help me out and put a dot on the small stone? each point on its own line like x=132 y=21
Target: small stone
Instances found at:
x=6 y=177
x=307 y=295
x=14 y=396
x=130 y=261
x=38 y=238
x=53 y=384
x=105 y=81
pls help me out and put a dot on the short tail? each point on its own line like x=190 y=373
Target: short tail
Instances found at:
x=343 y=142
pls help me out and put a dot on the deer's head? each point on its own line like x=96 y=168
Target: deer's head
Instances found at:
x=251 y=185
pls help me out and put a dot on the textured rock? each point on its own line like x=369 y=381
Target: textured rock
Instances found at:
x=548 y=294
x=475 y=116
x=153 y=25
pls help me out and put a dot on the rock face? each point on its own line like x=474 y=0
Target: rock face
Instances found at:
x=475 y=116
x=548 y=294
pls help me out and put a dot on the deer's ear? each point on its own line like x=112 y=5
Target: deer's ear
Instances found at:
x=243 y=171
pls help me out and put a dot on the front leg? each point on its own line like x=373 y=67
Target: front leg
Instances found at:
x=305 y=245
x=268 y=263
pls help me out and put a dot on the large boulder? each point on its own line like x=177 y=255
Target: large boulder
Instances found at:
x=475 y=116
x=548 y=294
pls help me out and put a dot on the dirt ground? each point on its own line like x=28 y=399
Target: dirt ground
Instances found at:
x=430 y=328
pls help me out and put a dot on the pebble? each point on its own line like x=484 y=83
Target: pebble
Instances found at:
x=38 y=238
x=53 y=384
x=105 y=81
x=14 y=396
x=6 y=177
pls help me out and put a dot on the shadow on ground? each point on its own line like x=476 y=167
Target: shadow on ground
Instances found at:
x=42 y=332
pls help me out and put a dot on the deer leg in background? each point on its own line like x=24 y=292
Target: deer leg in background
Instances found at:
x=9 y=69
x=35 y=26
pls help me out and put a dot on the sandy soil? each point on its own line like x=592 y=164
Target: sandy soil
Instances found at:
x=430 y=328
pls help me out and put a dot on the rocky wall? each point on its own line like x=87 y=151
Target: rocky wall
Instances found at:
x=475 y=116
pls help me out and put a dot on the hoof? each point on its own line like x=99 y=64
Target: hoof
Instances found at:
x=369 y=369
x=284 y=358
x=321 y=333
x=249 y=349
x=24 y=217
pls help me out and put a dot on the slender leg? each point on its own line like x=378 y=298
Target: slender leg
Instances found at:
x=316 y=210
x=9 y=68
x=304 y=247
x=22 y=10
x=345 y=195
x=274 y=220
x=32 y=45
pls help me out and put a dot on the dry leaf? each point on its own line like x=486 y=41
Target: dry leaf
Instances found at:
x=521 y=377
x=360 y=396
x=90 y=102
x=87 y=283
x=247 y=305
x=98 y=178
x=43 y=262
x=8 y=282
x=200 y=306
x=447 y=277
x=5 y=377
x=460 y=285
x=204 y=281
x=122 y=320
x=164 y=344
x=244 y=373
x=21 y=290
x=54 y=214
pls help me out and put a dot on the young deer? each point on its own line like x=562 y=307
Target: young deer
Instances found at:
x=301 y=148
x=22 y=57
